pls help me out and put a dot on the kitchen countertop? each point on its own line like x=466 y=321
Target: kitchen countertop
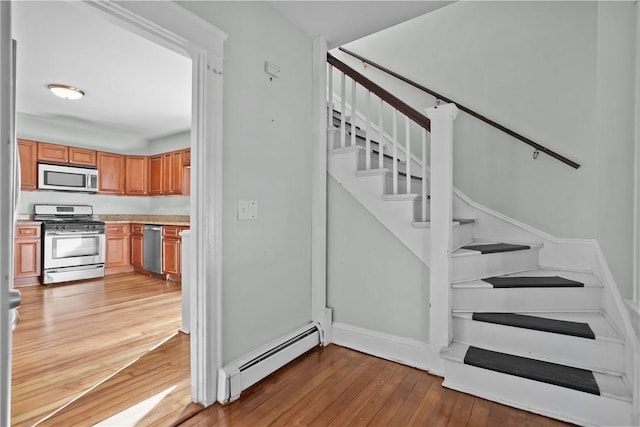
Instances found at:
x=181 y=220
x=182 y=224
x=26 y=222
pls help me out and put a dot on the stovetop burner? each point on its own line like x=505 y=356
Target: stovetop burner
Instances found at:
x=72 y=218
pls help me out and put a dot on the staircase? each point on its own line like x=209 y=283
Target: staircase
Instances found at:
x=532 y=320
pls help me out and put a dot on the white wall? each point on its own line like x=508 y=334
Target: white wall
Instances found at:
x=49 y=130
x=172 y=142
x=267 y=157
x=548 y=70
x=374 y=281
x=102 y=204
x=615 y=135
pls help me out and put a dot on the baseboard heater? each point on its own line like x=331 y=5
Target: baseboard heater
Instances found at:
x=248 y=370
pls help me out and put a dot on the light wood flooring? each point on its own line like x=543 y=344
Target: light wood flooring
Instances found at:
x=72 y=336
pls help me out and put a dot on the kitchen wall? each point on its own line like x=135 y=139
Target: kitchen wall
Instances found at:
x=266 y=283
x=48 y=130
x=560 y=73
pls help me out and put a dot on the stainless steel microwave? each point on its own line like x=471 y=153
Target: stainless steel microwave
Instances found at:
x=67 y=178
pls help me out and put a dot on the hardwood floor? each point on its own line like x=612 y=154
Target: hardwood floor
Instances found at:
x=72 y=336
x=154 y=390
x=335 y=386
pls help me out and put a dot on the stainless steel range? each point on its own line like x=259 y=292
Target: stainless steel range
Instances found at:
x=73 y=247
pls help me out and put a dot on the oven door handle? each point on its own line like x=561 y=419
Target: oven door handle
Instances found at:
x=74 y=233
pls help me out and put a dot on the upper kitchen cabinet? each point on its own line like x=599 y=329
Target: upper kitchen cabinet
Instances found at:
x=82 y=156
x=137 y=181
x=28 y=152
x=53 y=153
x=186 y=157
x=155 y=175
x=111 y=170
x=186 y=172
x=172 y=172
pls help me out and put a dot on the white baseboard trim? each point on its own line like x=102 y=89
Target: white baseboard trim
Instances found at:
x=391 y=347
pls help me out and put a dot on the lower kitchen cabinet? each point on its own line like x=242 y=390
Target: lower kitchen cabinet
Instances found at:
x=117 y=249
x=137 y=246
x=172 y=251
x=27 y=256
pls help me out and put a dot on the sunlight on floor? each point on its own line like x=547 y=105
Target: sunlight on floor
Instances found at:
x=132 y=415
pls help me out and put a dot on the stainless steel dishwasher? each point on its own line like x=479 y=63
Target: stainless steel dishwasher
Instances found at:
x=153 y=248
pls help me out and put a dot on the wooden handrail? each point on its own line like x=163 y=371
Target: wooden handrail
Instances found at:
x=385 y=95
x=467 y=110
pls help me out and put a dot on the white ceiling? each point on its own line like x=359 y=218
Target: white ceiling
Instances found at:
x=135 y=87
x=341 y=22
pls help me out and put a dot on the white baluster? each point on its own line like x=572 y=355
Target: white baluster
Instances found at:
x=407 y=153
x=395 y=151
x=353 y=113
x=367 y=143
x=343 y=114
x=380 y=137
x=424 y=174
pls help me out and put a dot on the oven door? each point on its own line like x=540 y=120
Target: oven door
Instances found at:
x=71 y=249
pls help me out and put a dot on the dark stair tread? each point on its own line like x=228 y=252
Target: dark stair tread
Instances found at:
x=564 y=327
x=533 y=282
x=537 y=370
x=463 y=221
x=493 y=248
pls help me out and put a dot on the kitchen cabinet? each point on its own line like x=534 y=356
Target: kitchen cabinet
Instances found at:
x=136 y=181
x=172 y=172
x=111 y=170
x=172 y=251
x=28 y=153
x=186 y=157
x=137 y=246
x=155 y=175
x=186 y=172
x=82 y=156
x=27 y=257
x=117 y=258
x=53 y=153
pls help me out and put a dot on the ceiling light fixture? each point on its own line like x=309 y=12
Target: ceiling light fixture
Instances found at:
x=65 y=91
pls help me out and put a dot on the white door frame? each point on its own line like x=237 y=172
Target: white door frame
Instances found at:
x=174 y=27
x=636 y=189
x=6 y=209
x=319 y=311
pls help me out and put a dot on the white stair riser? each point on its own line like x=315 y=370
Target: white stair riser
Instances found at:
x=416 y=185
x=600 y=355
x=462 y=235
x=386 y=161
x=470 y=267
x=343 y=161
x=546 y=399
x=527 y=299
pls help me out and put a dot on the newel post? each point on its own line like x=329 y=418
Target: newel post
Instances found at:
x=442 y=117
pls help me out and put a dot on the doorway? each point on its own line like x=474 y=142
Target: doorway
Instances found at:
x=173 y=27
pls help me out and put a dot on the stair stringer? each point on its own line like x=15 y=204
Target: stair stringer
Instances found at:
x=396 y=216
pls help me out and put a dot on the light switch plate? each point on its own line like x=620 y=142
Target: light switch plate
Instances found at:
x=243 y=210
